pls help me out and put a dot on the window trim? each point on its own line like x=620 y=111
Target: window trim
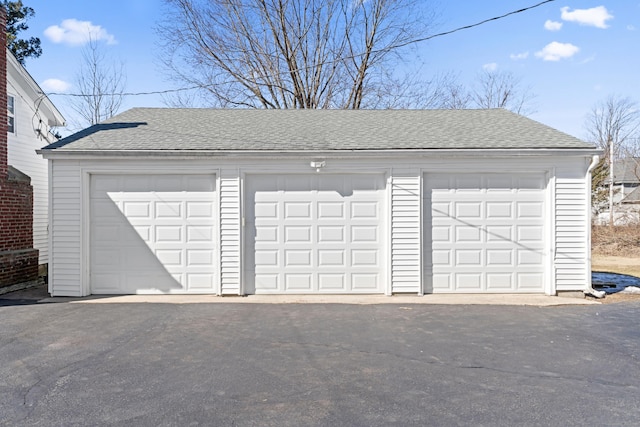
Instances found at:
x=11 y=114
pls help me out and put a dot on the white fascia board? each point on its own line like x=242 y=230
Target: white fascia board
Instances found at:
x=33 y=91
x=348 y=154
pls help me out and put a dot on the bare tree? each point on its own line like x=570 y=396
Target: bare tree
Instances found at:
x=455 y=96
x=614 y=120
x=614 y=126
x=411 y=92
x=502 y=89
x=101 y=84
x=290 y=53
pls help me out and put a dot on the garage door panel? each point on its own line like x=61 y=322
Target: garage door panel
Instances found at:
x=485 y=232
x=365 y=282
x=331 y=258
x=364 y=257
x=330 y=210
x=468 y=233
x=442 y=282
x=297 y=210
x=529 y=281
x=499 y=233
x=297 y=234
x=468 y=281
x=529 y=210
x=107 y=282
x=468 y=210
x=266 y=234
x=199 y=282
x=499 y=282
x=442 y=257
x=497 y=257
x=300 y=282
x=530 y=233
x=267 y=282
x=368 y=234
x=166 y=209
x=163 y=228
x=311 y=233
x=200 y=210
x=501 y=210
x=331 y=234
x=529 y=257
x=328 y=282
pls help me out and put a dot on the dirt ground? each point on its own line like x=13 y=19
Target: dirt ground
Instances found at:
x=616 y=250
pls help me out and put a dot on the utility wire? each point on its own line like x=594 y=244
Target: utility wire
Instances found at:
x=396 y=46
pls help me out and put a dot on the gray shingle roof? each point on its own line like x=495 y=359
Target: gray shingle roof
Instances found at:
x=151 y=129
x=627 y=170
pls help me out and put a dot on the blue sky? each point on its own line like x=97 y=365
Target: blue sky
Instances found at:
x=571 y=54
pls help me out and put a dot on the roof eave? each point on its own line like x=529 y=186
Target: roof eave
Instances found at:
x=482 y=152
x=55 y=117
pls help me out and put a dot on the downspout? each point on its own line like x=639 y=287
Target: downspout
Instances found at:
x=589 y=290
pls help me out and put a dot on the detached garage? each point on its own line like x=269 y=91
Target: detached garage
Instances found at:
x=235 y=202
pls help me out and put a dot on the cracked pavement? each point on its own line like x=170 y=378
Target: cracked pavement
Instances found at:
x=318 y=364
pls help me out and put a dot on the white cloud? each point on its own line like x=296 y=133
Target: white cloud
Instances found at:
x=77 y=33
x=492 y=66
x=552 y=25
x=631 y=28
x=519 y=56
x=589 y=59
x=556 y=51
x=55 y=85
x=594 y=17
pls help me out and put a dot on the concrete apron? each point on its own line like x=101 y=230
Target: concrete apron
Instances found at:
x=450 y=299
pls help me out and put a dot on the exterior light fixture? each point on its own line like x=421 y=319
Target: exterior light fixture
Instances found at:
x=318 y=164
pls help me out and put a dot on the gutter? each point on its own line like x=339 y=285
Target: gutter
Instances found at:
x=48 y=153
x=589 y=290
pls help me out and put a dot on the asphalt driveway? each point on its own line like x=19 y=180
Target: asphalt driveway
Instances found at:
x=317 y=364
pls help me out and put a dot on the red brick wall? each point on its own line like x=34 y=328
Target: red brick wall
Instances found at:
x=16 y=215
x=18 y=267
x=3 y=96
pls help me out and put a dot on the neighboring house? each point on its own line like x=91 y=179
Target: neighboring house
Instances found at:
x=324 y=201
x=31 y=115
x=626 y=178
x=626 y=193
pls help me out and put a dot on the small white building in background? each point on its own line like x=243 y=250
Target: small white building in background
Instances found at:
x=235 y=202
x=626 y=194
x=31 y=115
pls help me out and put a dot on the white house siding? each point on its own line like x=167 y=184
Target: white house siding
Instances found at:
x=65 y=273
x=22 y=155
x=567 y=263
x=572 y=225
x=405 y=231
x=230 y=226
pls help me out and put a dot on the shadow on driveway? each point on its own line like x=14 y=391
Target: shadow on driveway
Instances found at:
x=28 y=296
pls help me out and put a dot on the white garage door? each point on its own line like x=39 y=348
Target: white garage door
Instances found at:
x=315 y=233
x=485 y=232
x=152 y=234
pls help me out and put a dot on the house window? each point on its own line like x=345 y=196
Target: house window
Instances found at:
x=11 y=114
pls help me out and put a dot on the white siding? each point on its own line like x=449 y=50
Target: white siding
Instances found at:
x=571 y=228
x=567 y=201
x=22 y=155
x=230 y=221
x=405 y=231
x=65 y=275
